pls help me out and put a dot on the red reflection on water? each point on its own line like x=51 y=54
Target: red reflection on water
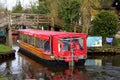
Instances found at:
x=33 y=70
x=25 y=68
x=71 y=75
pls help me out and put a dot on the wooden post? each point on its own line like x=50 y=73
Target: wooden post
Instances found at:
x=71 y=64
x=52 y=24
x=9 y=33
x=75 y=26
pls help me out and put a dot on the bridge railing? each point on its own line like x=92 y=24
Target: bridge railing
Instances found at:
x=4 y=20
x=31 y=19
x=16 y=19
x=26 y=19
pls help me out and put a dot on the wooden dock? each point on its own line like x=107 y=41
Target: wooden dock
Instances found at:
x=104 y=50
x=7 y=55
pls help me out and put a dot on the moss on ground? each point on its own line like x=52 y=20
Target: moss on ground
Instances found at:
x=4 y=48
x=2 y=78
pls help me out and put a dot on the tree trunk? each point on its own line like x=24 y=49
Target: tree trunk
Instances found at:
x=86 y=16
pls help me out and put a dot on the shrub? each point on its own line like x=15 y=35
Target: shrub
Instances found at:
x=105 y=24
x=116 y=42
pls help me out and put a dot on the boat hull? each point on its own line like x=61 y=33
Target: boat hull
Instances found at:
x=49 y=62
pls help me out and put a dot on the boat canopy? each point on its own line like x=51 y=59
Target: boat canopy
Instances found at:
x=45 y=34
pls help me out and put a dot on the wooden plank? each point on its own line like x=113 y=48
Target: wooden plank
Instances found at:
x=27 y=19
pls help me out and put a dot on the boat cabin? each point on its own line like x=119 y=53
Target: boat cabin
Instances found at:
x=56 y=45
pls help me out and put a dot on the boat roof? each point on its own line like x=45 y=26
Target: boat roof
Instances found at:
x=47 y=33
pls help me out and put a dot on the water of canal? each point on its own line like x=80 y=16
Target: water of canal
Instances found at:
x=97 y=68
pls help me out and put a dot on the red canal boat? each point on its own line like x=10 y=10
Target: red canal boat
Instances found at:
x=54 y=47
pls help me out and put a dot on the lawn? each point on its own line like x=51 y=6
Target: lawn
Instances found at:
x=2 y=78
x=4 y=48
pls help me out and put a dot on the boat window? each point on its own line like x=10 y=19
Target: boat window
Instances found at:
x=47 y=46
x=20 y=36
x=25 y=38
x=37 y=42
x=43 y=44
x=77 y=43
x=63 y=44
x=31 y=40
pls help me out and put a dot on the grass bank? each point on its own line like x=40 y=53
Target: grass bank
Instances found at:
x=2 y=78
x=4 y=48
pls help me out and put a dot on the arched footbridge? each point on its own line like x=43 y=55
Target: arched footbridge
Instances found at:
x=30 y=20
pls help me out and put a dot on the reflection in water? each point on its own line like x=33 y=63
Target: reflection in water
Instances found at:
x=97 y=68
x=93 y=62
x=37 y=71
x=6 y=71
